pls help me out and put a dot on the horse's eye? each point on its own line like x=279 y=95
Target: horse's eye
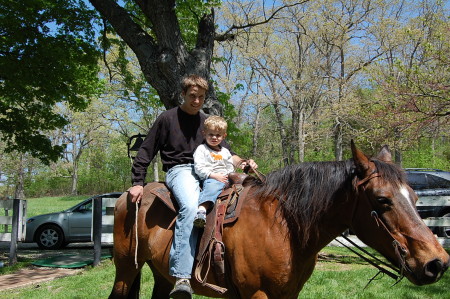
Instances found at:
x=384 y=201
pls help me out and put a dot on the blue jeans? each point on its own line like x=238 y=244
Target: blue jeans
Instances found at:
x=184 y=184
x=211 y=189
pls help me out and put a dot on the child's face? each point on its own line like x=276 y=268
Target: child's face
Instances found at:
x=214 y=137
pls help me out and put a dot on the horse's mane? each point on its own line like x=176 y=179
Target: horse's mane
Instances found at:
x=306 y=191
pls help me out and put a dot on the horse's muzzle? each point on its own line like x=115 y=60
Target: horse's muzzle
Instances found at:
x=434 y=270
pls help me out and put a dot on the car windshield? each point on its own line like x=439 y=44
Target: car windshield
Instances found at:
x=425 y=181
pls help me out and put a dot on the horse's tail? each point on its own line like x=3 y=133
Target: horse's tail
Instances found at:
x=128 y=276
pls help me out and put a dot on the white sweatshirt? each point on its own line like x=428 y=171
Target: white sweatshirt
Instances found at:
x=207 y=160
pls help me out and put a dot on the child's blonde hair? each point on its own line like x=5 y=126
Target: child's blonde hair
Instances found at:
x=216 y=123
x=193 y=80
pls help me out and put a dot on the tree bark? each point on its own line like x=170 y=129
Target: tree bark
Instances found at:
x=301 y=138
x=155 y=169
x=163 y=56
x=338 y=140
x=282 y=131
x=76 y=160
x=256 y=130
x=74 y=188
x=19 y=192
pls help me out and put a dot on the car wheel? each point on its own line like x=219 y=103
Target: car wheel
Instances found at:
x=444 y=231
x=50 y=237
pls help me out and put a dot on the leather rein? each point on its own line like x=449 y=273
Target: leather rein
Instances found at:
x=249 y=168
x=400 y=251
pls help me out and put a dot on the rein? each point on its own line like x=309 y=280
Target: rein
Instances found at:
x=370 y=261
x=400 y=251
x=247 y=168
x=137 y=241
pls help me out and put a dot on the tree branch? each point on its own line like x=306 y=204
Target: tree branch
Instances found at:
x=228 y=36
x=139 y=41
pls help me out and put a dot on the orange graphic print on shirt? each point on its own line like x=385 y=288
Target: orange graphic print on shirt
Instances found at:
x=216 y=157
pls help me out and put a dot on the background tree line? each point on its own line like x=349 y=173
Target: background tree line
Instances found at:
x=295 y=79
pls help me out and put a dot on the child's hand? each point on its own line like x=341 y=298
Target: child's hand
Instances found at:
x=248 y=165
x=221 y=177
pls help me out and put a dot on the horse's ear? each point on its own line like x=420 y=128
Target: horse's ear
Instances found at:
x=385 y=154
x=362 y=163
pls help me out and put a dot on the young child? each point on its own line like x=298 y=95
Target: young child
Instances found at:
x=212 y=164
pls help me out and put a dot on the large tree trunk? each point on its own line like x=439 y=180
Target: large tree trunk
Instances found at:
x=155 y=169
x=294 y=128
x=301 y=138
x=338 y=140
x=163 y=56
x=282 y=131
x=19 y=192
x=256 y=130
x=74 y=188
x=76 y=160
x=397 y=153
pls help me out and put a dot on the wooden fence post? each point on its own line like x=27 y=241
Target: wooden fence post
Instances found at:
x=6 y=214
x=97 y=229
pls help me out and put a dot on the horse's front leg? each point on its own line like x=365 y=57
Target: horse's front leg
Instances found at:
x=259 y=295
x=266 y=295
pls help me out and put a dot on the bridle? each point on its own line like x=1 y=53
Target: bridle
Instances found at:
x=400 y=251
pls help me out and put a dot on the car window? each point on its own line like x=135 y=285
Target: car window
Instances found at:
x=85 y=207
x=417 y=181
x=435 y=182
x=425 y=181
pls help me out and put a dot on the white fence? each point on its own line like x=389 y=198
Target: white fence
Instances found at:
x=437 y=202
x=439 y=223
x=16 y=221
x=6 y=221
x=107 y=220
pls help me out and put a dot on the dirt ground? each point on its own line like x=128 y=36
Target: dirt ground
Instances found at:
x=35 y=274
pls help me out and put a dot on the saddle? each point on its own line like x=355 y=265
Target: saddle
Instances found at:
x=211 y=249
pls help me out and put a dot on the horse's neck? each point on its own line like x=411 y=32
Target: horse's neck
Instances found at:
x=335 y=221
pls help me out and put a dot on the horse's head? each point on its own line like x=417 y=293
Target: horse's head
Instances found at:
x=386 y=219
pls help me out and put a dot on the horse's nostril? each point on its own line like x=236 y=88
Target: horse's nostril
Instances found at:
x=434 y=268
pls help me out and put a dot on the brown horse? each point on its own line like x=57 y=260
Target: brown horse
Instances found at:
x=285 y=221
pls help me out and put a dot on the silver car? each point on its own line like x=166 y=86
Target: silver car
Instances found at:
x=432 y=186
x=56 y=230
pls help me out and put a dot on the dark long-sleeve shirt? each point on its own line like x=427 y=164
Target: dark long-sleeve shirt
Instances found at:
x=175 y=134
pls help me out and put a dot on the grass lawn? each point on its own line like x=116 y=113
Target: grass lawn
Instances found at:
x=342 y=276
x=44 y=205
x=339 y=275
